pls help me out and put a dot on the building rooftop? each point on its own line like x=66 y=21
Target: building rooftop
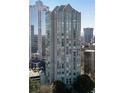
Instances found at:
x=89 y=50
x=39 y=2
x=63 y=7
x=33 y=74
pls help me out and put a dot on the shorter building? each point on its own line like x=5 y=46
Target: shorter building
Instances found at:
x=88 y=60
x=37 y=65
x=34 y=75
x=37 y=70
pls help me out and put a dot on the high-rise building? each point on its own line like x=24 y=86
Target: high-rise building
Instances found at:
x=64 y=45
x=34 y=40
x=37 y=15
x=88 y=35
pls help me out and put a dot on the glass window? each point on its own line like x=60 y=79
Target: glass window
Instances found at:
x=74 y=43
x=58 y=64
x=67 y=41
x=62 y=42
x=74 y=59
x=74 y=66
x=62 y=72
x=74 y=53
x=62 y=65
x=67 y=50
x=62 y=79
x=62 y=34
x=74 y=73
x=70 y=51
x=66 y=81
x=74 y=35
x=57 y=40
x=70 y=80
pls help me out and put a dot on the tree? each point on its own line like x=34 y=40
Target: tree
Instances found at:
x=83 y=84
x=58 y=87
x=34 y=86
x=45 y=89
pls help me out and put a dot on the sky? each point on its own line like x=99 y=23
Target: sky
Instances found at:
x=86 y=7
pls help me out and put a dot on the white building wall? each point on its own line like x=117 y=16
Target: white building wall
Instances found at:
x=62 y=63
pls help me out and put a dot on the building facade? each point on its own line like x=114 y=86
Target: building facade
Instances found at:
x=88 y=60
x=64 y=45
x=88 y=35
x=44 y=41
x=34 y=40
x=37 y=13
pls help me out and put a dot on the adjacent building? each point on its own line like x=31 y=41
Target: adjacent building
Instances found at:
x=34 y=40
x=37 y=21
x=63 y=44
x=88 y=35
x=88 y=60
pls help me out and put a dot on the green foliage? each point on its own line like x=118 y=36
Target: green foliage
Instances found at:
x=34 y=86
x=45 y=89
x=58 y=87
x=83 y=84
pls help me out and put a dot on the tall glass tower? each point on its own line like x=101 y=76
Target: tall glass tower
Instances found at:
x=37 y=13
